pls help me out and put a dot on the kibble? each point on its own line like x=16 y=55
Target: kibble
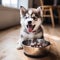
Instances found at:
x=39 y=43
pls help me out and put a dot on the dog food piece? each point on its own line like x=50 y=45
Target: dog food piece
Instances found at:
x=39 y=44
x=33 y=44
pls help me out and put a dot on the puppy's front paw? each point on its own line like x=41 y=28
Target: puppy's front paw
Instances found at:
x=19 y=47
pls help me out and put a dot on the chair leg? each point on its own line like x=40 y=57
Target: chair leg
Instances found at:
x=59 y=14
x=52 y=18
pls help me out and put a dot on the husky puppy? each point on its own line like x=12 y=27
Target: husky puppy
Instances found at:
x=31 y=25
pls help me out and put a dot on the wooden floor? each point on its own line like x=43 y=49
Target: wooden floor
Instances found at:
x=9 y=37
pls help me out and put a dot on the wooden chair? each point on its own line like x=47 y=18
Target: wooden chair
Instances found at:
x=45 y=9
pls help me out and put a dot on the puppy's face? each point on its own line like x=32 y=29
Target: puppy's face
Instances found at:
x=31 y=18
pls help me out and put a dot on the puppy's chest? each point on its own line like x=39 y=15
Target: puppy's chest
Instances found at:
x=31 y=35
x=28 y=36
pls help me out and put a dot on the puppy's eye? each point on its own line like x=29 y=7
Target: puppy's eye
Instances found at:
x=34 y=18
x=26 y=17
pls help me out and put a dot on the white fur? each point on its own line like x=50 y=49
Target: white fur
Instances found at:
x=39 y=9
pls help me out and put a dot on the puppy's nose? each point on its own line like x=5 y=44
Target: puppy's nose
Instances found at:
x=29 y=22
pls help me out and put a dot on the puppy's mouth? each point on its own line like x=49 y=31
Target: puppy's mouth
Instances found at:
x=30 y=27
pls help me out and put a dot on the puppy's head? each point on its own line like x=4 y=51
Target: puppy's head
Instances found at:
x=31 y=18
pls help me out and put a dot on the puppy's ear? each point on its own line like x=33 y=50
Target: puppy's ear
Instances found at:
x=22 y=11
x=39 y=10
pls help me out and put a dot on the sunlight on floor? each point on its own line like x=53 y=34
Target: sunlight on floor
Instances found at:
x=52 y=37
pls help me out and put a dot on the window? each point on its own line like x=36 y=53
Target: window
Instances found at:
x=17 y=3
x=10 y=3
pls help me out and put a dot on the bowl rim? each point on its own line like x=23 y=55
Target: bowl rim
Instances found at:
x=33 y=47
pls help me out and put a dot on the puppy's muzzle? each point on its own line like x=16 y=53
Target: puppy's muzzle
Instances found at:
x=30 y=27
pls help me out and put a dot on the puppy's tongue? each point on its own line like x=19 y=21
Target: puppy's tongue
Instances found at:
x=30 y=28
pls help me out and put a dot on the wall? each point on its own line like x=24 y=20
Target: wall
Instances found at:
x=30 y=3
x=36 y=3
x=8 y=17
